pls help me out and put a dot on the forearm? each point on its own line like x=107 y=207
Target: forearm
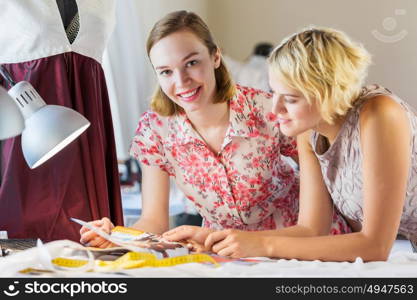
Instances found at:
x=292 y=231
x=151 y=225
x=346 y=247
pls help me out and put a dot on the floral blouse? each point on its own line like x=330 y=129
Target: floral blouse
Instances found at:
x=247 y=185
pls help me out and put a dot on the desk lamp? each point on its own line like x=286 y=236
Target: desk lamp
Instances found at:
x=45 y=129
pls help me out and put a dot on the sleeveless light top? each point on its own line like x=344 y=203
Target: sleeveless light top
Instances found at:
x=33 y=29
x=341 y=165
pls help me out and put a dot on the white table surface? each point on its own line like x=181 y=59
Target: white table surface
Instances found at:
x=402 y=262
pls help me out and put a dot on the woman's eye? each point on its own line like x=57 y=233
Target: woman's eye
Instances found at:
x=290 y=100
x=165 y=72
x=191 y=63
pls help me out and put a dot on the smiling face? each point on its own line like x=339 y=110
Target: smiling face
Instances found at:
x=185 y=70
x=294 y=113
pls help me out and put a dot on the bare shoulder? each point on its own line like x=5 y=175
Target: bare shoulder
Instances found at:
x=382 y=107
x=384 y=119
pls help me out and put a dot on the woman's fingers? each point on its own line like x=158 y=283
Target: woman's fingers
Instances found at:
x=214 y=238
x=88 y=235
x=226 y=251
x=180 y=233
x=220 y=245
x=107 y=225
x=97 y=242
x=104 y=244
x=196 y=247
x=177 y=229
x=97 y=223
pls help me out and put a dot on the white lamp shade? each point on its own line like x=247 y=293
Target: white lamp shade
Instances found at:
x=11 y=120
x=48 y=130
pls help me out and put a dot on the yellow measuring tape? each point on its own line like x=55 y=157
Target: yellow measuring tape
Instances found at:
x=32 y=271
x=133 y=260
x=129 y=260
x=127 y=230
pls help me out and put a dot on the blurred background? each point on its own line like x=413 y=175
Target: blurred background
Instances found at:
x=386 y=28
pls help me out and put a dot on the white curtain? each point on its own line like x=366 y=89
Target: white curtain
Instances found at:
x=128 y=73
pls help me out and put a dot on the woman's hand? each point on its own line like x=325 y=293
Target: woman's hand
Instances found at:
x=194 y=235
x=92 y=239
x=237 y=243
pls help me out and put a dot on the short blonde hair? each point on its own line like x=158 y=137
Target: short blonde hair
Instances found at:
x=184 y=20
x=325 y=65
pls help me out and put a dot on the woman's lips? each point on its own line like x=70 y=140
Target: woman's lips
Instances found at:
x=190 y=95
x=283 y=121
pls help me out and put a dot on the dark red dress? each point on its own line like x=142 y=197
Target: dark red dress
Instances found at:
x=82 y=180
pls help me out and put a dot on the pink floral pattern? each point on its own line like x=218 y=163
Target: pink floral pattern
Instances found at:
x=246 y=185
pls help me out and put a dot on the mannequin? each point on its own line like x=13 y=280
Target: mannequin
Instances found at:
x=64 y=67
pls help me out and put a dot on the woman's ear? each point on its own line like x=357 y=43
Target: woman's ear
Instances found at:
x=217 y=58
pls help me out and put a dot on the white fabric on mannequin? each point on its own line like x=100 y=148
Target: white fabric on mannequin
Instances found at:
x=20 y=20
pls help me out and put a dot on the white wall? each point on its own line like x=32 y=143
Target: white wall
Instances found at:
x=239 y=24
x=153 y=10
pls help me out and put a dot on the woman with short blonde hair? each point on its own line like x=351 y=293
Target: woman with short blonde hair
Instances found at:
x=357 y=148
x=325 y=65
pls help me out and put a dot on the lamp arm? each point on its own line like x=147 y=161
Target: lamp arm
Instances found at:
x=6 y=75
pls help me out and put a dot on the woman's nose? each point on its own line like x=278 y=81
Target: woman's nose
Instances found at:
x=182 y=78
x=277 y=104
